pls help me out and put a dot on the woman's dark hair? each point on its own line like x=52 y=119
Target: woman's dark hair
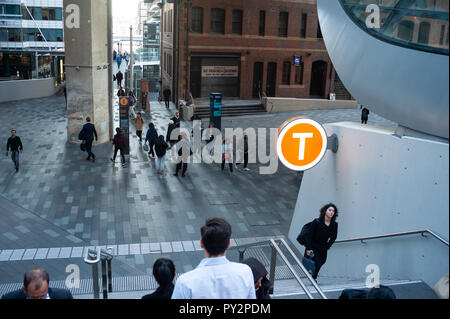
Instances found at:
x=118 y=131
x=151 y=125
x=323 y=210
x=216 y=234
x=164 y=271
x=161 y=139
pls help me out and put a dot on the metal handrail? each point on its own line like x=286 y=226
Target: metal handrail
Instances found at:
x=276 y=249
x=422 y=232
x=93 y=257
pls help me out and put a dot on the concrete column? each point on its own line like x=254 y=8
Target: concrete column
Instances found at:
x=87 y=64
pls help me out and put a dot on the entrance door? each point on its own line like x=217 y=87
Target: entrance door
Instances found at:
x=196 y=77
x=318 y=77
x=271 y=79
x=257 y=78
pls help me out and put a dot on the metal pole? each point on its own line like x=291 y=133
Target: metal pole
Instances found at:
x=109 y=276
x=273 y=263
x=110 y=69
x=95 y=281
x=104 y=279
x=131 y=60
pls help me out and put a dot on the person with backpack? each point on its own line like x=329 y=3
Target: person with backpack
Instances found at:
x=139 y=125
x=169 y=139
x=119 y=144
x=132 y=103
x=160 y=150
x=319 y=235
x=151 y=138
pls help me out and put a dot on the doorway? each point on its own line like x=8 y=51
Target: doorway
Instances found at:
x=257 y=78
x=196 y=77
x=271 y=79
x=318 y=79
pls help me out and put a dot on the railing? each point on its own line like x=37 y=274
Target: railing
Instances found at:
x=277 y=250
x=93 y=257
x=414 y=232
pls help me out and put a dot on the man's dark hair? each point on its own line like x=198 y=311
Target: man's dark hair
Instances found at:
x=323 y=210
x=383 y=292
x=88 y=119
x=164 y=271
x=13 y=131
x=36 y=276
x=216 y=234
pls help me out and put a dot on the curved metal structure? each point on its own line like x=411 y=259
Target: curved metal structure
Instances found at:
x=395 y=68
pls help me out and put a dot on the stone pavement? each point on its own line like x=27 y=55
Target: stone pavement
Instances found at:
x=59 y=203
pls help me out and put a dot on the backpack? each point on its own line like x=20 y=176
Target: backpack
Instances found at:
x=306 y=233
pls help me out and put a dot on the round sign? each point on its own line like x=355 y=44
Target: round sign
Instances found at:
x=301 y=144
x=124 y=101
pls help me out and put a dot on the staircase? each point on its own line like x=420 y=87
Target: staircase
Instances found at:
x=230 y=107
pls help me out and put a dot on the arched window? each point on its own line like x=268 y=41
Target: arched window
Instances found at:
x=406 y=30
x=424 y=33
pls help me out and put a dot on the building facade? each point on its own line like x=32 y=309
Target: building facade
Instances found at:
x=31 y=39
x=244 y=49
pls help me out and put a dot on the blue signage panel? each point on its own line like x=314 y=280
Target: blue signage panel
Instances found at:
x=297 y=60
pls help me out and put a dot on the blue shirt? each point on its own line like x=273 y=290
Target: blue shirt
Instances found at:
x=216 y=278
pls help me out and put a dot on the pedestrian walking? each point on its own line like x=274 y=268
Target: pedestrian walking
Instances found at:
x=319 y=235
x=119 y=77
x=227 y=151
x=243 y=148
x=119 y=145
x=169 y=139
x=167 y=93
x=131 y=104
x=364 y=115
x=139 y=125
x=151 y=137
x=87 y=134
x=183 y=149
x=121 y=93
x=15 y=144
x=161 y=150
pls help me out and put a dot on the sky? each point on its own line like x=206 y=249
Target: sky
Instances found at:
x=125 y=13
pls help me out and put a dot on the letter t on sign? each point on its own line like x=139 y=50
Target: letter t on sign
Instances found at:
x=302 y=137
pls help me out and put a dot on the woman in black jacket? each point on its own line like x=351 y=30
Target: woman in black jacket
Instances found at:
x=323 y=236
x=164 y=273
x=160 y=149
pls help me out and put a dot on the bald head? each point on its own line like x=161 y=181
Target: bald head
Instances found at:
x=35 y=283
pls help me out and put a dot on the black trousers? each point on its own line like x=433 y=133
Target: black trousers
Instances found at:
x=139 y=134
x=121 y=154
x=245 y=160
x=167 y=101
x=89 y=149
x=364 y=121
x=179 y=165
x=230 y=164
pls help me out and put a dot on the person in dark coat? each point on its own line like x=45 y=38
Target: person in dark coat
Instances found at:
x=151 y=138
x=167 y=93
x=35 y=286
x=364 y=115
x=183 y=149
x=119 y=145
x=15 y=144
x=176 y=119
x=121 y=92
x=87 y=133
x=323 y=236
x=160 y=150
x=119 y=78
x=169 y=139
x=164 y=273
x=262 y=284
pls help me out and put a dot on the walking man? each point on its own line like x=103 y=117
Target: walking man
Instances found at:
x=87 y=134
x=15 y=144
x=167 y=93
x=119 y=78
x=364 y=115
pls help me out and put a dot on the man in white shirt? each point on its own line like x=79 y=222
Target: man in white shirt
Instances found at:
x=216 y=277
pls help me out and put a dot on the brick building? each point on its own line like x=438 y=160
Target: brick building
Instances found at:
x=242 y=48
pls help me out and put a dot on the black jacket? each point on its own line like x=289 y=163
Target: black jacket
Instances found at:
x=323 y=237
x=88 y=132
x=259 y=271
x=152 y=134
x=176 y=120
x=365 y=113
x=14 y=143
x=161 y=148
x=161 y=293
x=166 y=94
x=54 y=293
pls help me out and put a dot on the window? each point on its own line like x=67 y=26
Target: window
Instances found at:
x=405 y=30
x=52 y=14
x=197 y=19
x=286 y=79
x=262 y=23
x=218 y=21
x=283 y=26
x=237 y=22
x=303 y=25
x=45 y=14
x=299 y=70
x=319 y=31
x=441 y=39
x=424 y=33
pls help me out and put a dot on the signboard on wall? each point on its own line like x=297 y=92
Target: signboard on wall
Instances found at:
x=220 y=71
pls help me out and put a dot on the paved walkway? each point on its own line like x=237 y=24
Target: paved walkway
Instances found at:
x=59 y=203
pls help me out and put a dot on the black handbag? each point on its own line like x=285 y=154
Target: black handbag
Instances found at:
x=309 y=264
x=83 y=146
